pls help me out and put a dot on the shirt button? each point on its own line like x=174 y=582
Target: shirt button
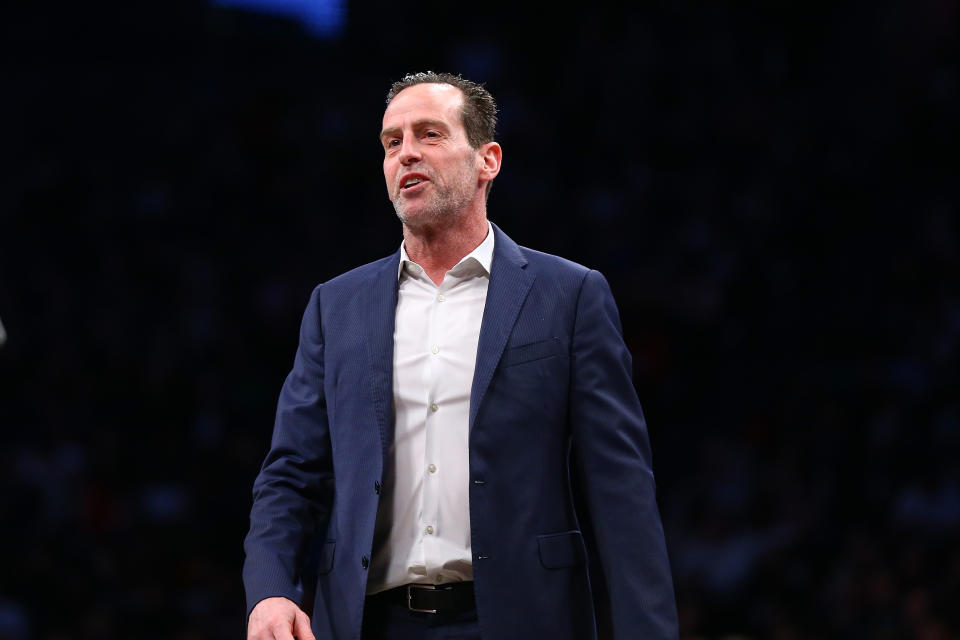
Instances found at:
x=434 y=349
x=434 y=407
x=432 y=468
x=441 y=298
x=429 y=529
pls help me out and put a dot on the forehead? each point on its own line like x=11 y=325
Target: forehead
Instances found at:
x=428 y=100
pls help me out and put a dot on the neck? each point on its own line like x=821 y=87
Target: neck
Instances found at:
x=438 y=248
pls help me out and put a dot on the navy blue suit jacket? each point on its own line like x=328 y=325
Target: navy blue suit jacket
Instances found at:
x=558 y=449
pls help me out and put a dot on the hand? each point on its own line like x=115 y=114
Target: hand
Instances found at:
x=278 y=619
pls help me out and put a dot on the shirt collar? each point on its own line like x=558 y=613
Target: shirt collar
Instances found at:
x=482 y=255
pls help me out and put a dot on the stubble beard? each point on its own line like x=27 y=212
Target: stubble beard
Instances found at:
x=444 y=205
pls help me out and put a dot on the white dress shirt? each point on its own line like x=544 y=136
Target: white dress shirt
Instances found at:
x=423 y=525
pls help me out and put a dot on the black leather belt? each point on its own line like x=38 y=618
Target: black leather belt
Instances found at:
x=454 y=597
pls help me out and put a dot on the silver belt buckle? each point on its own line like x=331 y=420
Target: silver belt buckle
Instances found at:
x=425 y=587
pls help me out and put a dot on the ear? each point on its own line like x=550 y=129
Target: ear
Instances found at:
x=490 y=156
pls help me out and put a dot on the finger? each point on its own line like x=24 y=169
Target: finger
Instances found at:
x=301 y=627
x=269 y=630
x=282 y=631
x=268 y=633
x=260 y=632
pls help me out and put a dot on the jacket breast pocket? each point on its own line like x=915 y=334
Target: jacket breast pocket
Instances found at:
x=561 y=550
x=531 y=351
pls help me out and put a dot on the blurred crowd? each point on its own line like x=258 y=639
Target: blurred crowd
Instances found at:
x=770 y=192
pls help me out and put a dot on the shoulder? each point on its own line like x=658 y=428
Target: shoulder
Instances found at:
x=565 y=281
x=349 y=286
x=357 y=276
x=563 y=274
x=543 y=264
x=556 y=275
x=549 y=263
x=364 y=272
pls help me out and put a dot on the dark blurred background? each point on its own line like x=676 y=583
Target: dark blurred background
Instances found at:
x=769 y=188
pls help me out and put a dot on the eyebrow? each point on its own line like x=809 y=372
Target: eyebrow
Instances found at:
x=418 y=124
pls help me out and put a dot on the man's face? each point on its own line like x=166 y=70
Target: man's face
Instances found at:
x=430 y=168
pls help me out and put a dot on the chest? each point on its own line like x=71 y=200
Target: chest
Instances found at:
x=435 y=337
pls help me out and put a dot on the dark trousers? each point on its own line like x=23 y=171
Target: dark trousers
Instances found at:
x=383 y=620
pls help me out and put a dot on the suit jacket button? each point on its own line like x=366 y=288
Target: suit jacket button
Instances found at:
x=377 y=486
x=365 y=562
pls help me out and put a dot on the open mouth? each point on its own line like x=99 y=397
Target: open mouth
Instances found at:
x=412 y=182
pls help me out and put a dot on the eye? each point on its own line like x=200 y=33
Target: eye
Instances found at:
x=432 y=134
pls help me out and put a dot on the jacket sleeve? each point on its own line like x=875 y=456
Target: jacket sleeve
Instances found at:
x=292 y=493
x=611 y=453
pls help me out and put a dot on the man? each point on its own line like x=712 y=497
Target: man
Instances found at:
x=455 y=413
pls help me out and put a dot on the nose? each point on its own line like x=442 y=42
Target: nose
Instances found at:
x=409 y=150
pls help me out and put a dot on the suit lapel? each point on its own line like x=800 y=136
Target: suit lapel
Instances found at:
x=510 y=282
x=380 y=320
